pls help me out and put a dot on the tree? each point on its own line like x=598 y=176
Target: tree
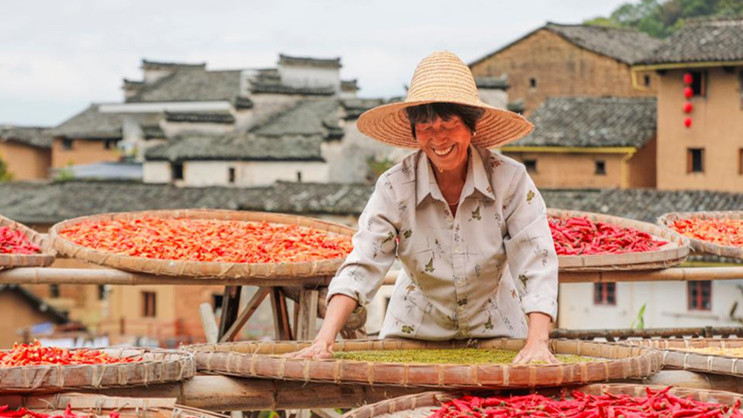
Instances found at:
x=5 y=175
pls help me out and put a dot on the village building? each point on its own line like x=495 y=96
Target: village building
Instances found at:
x=22 y=311
x=558 y=60
x=703 y=60
x=590 y=142
x=26 y=152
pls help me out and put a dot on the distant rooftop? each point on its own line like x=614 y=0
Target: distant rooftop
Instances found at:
x=309 y=62
x=30 y=135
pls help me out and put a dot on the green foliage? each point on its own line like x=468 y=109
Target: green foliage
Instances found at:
x=65 y=173
x=377 y=167
x=5 y=175
x=660 y=18
x=639 y=322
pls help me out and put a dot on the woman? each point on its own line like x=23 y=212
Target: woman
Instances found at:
x=468 y=225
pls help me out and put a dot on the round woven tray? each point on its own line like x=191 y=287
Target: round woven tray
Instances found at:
x=201 y=268
x=676 y=355
x=157 y=366
x=101 y=405
x=422 y=405
x=43 y=259
x=703 y=247
x=253 y=359
x=669 y=255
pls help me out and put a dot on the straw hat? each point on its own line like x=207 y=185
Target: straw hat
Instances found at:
x=442 y=77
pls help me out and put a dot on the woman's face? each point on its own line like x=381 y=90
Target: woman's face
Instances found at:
x=445 y=142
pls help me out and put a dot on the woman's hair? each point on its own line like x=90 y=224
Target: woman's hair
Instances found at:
x=428 y=112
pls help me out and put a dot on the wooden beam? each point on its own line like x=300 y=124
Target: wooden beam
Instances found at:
x=307 y=314
x=282 y=328
x=230 y=306
x=245 y=315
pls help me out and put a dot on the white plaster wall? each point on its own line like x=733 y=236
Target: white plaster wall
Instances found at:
x=310 y=77
x=243 y=119
x=150 y=76
x=156 y=172
x=172 y=129
x=494 y=97
x=667 y=306
x=251 y=173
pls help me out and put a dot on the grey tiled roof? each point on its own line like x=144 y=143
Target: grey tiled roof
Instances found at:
x=308 y=117
x=160 y=64
x=625 y=45
x=199 y=117
x=593 y=122
x=500 y=83
x=310 y=62
x=91 y=123
x=719 y=39
x=268 y=81
x=355 y=107
x=349 y=85
x=191 y=84
x=33 y=136
x=237 y=147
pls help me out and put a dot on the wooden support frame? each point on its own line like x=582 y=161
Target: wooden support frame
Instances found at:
x=245 y=315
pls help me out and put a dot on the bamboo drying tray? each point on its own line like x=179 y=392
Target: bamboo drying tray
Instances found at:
x=254 y=359
x=675 y=354
x=100 y=405
x=202 y=268
x=669 y=255
x=43 y=259
x=422 y=404
x=703 y=247
x=157 y=366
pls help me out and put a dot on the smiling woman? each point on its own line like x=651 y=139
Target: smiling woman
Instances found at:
x=464 y=221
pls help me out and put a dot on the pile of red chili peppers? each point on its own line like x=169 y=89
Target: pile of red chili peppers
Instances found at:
x=209 y=240
x=658 y=404
x=36 y=355
x=581 y=236
x=27 y=413
x=13 y=241
x=727 y=232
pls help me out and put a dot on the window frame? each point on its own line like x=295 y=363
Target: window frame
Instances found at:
x=231 y=175
x=530 y=164
x=699 y=83
x=533 y=82
x=695 y=295
x=602 y=292
x=690 y=166
x=176 y=171
x=67 y=144
x=596 y=170
x=149 y=304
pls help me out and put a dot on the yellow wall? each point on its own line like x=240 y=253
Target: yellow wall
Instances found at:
x=18 y=313
x=561 y=69
x=564 y=170
x=717 y=126
x=25 y=162
x=641 y=167
x=82 y=152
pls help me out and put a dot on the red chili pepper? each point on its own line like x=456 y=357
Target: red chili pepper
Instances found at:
x=726 y=232
x=36 y=355
x=209 y=240
x=580 y=236
x=13 y=241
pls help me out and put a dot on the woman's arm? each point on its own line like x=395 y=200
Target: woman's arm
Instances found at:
x=537 y=342
x=339 y=309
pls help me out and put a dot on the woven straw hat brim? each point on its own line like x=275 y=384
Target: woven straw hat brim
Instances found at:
x=390 y=124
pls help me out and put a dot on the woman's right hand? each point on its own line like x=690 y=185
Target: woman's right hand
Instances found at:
x=318 y=350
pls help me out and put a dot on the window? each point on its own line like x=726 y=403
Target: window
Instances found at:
x=217 y=300
x=533 y=83
x=695 y=160
x=740 y=161
x=177 y=173
x=647 y=80
x=600 y=168
x=231 y=175
x=66 y=144
x=699 y=83
x=531 y=166
x=109 y=144
x=299 y=176
x=102 y=291
x=605 y=294
x=149 y=304
x=699 y=295
x=53 y=291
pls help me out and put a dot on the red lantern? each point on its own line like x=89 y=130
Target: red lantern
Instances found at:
x=688 y=79
x=687 y=122
x=688 y=92
x=688 y=107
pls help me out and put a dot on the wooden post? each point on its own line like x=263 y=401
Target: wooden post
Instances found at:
x=307 y=314
x=209 y=323
x=230 y=305
x=249 y=310
x=282 y=327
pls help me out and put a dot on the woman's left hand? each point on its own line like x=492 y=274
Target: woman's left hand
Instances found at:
x=535 y=351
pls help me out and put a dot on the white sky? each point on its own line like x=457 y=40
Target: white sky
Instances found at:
x=57 y=56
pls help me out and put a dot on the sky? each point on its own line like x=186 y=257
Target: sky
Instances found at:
x=58 y=56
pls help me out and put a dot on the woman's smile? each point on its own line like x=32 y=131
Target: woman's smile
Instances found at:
x=442 y=152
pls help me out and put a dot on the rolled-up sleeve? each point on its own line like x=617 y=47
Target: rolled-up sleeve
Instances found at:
x=529 y=248
x=374 y=247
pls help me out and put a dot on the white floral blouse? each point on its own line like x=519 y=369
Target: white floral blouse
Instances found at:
x=458 y=271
